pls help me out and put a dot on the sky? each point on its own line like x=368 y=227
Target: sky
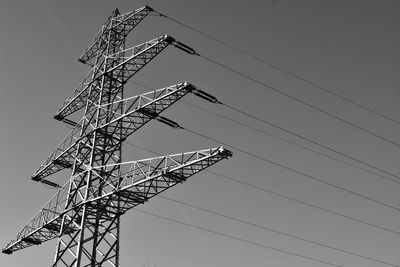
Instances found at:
x=349 y=47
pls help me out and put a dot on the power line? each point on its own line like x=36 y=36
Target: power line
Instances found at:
x=315 y=85
x=240 y=182
x=311 y=141
x=288 y=141
x=239 y=239
x=302 y=202
x=299 y=100
x=276 y=231
x=360 y=221
x=397 y=180
x=295 y=171
x=280 y=232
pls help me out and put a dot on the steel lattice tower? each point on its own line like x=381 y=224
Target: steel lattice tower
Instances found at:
x=84 y=214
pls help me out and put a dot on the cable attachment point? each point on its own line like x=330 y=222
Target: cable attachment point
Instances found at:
x=148 y=112
x=168 y=122
x=153 y=115
x=149 y=8
x=206 y=96
x=7 y=251
x=160 y=14
x=225 y=152
x=185 y=48
x=49 y=183
x=181 y=45
x=36 y=178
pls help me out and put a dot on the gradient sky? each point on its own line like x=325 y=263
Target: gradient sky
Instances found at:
x=350 y=47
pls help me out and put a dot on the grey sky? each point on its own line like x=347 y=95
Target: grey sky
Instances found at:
x=350 y=47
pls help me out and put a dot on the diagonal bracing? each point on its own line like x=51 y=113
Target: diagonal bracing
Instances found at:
x=136 y=111
x=129 y=62
x=139 y=181
x=84 y=214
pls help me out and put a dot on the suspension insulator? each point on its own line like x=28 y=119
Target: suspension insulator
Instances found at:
x=205 y=96
x=168 y=122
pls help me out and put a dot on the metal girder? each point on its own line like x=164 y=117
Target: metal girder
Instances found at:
x=139 y=181
x=85 y=213
x=123 y=24
x=135 y=112
x=43 y=220
x=131 y=61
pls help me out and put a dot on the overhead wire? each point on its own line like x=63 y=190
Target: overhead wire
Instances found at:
x=242 y=183
x=313 y=142
x=293 y=170
x=308 y=176
x=281 y=69
x=397 y=178
x=303 y=174
x=279 y=195
x=269 y=229
x=278 y=232
x=289 y=141
x=297 y=172
x=296 y=99
x=191 y=51
x=259 y=226
x=238 y=238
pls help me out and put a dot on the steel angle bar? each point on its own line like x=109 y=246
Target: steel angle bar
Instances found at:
x=125 y=24
x=131 y=65
x=143 y=180
x=150 y=177
x=134 y=117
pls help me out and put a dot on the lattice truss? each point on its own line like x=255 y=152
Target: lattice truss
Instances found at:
x=84 y=214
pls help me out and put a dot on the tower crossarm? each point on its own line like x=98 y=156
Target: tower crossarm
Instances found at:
x=122 y=24
x=140 y=180
x=149 y=177
x=44 y=226
x=130 y=60
x=139 y=110
x=136 y=112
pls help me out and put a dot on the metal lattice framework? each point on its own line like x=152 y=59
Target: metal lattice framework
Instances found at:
x=84 y=214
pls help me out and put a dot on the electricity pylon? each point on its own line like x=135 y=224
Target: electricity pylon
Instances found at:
x=85 y=213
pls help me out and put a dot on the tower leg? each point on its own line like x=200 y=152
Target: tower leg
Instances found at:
x=91 y=245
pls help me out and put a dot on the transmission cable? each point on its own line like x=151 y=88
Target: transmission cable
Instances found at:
x=290 y=169
x=397 y=180
x=315 y=85
x=299 y=100
x=290 y=142
x=234 y=237
x=312 y=141
x=240 y=182
x=239 y=238
x=294 y=171
x=270 y=192
x=191 y=51
x=281 y=195
x=275 y=231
